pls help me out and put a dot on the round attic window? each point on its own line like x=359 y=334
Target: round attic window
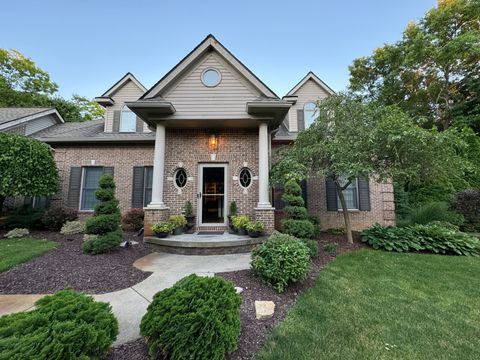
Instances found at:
x=211 y=77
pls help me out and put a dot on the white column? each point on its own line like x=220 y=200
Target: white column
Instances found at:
x=263 y=198
x=158 y=169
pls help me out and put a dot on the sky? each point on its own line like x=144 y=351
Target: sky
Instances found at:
x=88 y=45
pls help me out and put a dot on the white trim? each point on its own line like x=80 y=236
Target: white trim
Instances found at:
x=316 y=79
x=251 y=177
x=125 y=108
x=200 y=190
x=120 y=83
x=339 y=205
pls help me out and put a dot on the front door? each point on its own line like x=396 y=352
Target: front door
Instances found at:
x=212 y=197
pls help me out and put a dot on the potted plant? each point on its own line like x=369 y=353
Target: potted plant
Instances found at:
x=162 y=229
x=239 y=223
x=331 y=248
x=178 y=223
x=255 y=229
x=232 y=211
x=189 y=215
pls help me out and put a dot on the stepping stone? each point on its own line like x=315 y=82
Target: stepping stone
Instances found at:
x=238 y=289
x=264 y=309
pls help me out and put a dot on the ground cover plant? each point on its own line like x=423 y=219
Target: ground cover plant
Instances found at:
x=383 y=305
x=18 y=250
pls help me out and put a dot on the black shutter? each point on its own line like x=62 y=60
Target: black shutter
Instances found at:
x=137 y=187
x=116 y=120
x=74 y=185
x=108 y=170
x=139 y=125
x=331 y=194
x=303 y=185
x=363 y=194
x=300 y=120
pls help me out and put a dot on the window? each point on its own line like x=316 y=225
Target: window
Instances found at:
x=147 y=185
x=211 y=77
x=180 y=178
x=128 y=120
x=350 y=194
x=91 y=176
x=310 y=113
x=245 y=178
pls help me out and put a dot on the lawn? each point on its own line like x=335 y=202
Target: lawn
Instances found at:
x=378 y=305
x=16 y=251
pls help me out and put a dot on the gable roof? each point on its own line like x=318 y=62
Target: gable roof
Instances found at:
x=311 y=76
x=209 y=43
x=127 y=77
x=12 y=116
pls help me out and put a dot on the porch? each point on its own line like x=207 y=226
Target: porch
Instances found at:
x=205 y=243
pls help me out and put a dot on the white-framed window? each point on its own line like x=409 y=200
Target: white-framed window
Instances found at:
x=128 y=120
x=211 y=77
x=310 y=113
x=147 y=185
x=90 y=179
x=350 y=194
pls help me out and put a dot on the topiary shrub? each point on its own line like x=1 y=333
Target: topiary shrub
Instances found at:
x=67 y=325
x=133 y=220
x=296 y=222
x=106 y=220
x=467 y=203
x=54 y=218
x=281 y=260
x=198 y=318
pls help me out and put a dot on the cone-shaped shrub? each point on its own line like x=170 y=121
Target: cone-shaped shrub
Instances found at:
x=296 y=222
x=106 y=220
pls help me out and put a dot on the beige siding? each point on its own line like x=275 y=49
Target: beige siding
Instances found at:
x=310 y=91
x=192 y=99
x=128 y=92
x=39 y=124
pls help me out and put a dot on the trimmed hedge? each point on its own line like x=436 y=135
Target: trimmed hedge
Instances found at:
x=431 y=238
x=298 y=228
x=198 y=318
x=101 y=224
x=281 y=260
x=67 y=325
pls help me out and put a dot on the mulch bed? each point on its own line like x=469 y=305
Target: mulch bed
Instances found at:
x=254 y=332
x=68 y=266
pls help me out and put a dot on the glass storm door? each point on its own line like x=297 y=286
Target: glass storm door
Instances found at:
x=212 y=195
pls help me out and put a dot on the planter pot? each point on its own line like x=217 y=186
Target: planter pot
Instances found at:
x=231 y=230
x=178 y=230
x=254 y=234
x=162 y=234
x=242 y=231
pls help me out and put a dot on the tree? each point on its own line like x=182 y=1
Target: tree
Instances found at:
x=23 y=84
x=27 y=168
x=352 y=139
x=296 y=221
x=429 y=73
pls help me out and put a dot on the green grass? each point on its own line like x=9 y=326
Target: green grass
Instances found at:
x=379 y=305
x=16 y=251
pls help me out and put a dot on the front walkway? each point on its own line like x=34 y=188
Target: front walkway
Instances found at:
x=130 y=304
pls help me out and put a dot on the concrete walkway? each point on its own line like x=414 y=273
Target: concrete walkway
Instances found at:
x=130 y=304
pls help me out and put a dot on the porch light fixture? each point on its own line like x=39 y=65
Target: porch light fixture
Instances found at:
x=213 y=142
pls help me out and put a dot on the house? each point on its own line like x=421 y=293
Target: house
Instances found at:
x=204 y=133
x=28 y=121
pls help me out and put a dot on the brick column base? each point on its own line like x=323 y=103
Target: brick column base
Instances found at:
x=267 y=216
x=153 y=216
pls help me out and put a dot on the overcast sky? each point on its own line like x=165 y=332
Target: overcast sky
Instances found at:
x=87 y=45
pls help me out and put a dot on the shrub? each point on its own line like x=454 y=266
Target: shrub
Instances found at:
x=296 y=221
x=133 y=220
x=281 y=260
x=197 y=318
x=162 y=227
x=106 y=220
x=316 y=224
x=233 y=208
x=188 y=208
x=467 y=203
x=177 y=221
x=337 y=231
x=431 y=238
x=434 y=211
x=445 y=224
x=66 y=325
x=17 y=233
x=103 y=243
x=73 y=227
x=312 y=246
x=240 y=221
x=55 y=217
x=330 y=247
x=256 y=226
x=25 y=217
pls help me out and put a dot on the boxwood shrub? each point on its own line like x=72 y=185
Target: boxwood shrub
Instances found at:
x=198 y=318
x=67 y=325
x=312 y=246
x=431 y=238
x=281 y=260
